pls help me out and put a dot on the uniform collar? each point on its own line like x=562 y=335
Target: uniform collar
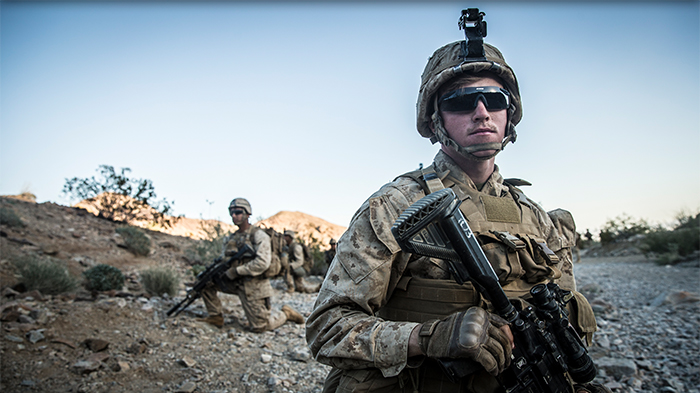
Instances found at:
x=452 y=175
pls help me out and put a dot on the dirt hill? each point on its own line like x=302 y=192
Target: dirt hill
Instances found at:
x=121 y=341
x=309 y=228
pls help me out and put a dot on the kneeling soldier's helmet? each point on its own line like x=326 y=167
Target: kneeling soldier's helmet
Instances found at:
x=241 y=203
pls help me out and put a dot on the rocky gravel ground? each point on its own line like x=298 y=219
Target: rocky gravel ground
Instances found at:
x=125 y=344
x=649 y=323
x=648 y=339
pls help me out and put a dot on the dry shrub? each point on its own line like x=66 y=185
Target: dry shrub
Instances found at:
x=48 y=276
x=160 y=280
x=135 y=240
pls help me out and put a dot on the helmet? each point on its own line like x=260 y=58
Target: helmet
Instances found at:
x=242 y=203
x=290 y=233
x=449 y=62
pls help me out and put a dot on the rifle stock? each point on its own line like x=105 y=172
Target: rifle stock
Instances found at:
x=217 y=268
x=546 y=345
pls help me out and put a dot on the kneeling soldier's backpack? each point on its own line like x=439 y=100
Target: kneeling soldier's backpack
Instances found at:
x=276 y=243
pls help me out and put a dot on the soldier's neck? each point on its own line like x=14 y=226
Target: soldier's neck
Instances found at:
x=244 y=226
x=478 y=171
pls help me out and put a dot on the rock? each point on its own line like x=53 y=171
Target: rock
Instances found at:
x=34 y=295
x=300 y=354
x=99 y=357
x=40 y=316
x=86 y=366
x=14 y=339
x=680 y=297
x=187 y=387
x=9 y=292
x=35 y=336
x=64 y=342
x=617 y=367
x=96 y=344
x=26 y=319
x=122 y=366
x=266 y=358
x=136 y=348
x=187 y=361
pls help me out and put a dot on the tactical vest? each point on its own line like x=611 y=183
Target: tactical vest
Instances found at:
x=510 y=234
x=238 y=240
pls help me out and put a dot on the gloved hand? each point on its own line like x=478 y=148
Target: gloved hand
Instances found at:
x=232 y=273
x=473 y=334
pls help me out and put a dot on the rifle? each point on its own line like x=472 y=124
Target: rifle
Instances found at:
x=546 y=345
x=213 y=272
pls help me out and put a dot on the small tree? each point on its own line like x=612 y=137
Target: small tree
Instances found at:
x=120 y=198
x=671 y=246
x=622 y=228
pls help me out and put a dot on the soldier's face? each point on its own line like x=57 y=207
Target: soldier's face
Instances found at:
x=479 y=125
x=239 y=216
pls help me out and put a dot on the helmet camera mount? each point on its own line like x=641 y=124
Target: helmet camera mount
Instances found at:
x=474 y=26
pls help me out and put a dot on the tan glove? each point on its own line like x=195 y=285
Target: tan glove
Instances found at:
x=473 y=334
x=232 y=273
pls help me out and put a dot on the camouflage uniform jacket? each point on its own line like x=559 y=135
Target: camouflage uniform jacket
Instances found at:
x=344 y=330
x=255 y=284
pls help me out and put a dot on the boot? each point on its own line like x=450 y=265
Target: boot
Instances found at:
x=292 y=314
x=216 y=320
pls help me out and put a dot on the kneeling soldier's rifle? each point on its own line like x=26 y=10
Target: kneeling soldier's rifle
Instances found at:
x=546 y=345
x=215 y=270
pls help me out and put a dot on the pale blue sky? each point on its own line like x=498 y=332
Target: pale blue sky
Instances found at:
x=311 y=107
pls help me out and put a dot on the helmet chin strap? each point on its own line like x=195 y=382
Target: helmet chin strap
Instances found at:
x=465 y=151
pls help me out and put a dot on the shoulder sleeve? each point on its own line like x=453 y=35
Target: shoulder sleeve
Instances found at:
x=343 y=330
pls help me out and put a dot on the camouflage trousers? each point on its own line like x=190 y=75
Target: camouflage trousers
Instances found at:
x=259 y=312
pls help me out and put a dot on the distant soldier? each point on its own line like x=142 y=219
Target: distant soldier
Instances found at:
x=299 y=267
x=329 y=255
x=247 y=278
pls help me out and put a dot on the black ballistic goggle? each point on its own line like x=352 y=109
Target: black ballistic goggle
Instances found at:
x=466 y=99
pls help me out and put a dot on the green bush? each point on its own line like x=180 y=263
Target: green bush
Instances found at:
x=670 y=246
x=9 y=217
x=160 y=280
x=622 y=228
x=104 y=278
x=45 y=275
x=135 y=240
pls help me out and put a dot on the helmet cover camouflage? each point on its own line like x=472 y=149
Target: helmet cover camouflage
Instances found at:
x=242 y=203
